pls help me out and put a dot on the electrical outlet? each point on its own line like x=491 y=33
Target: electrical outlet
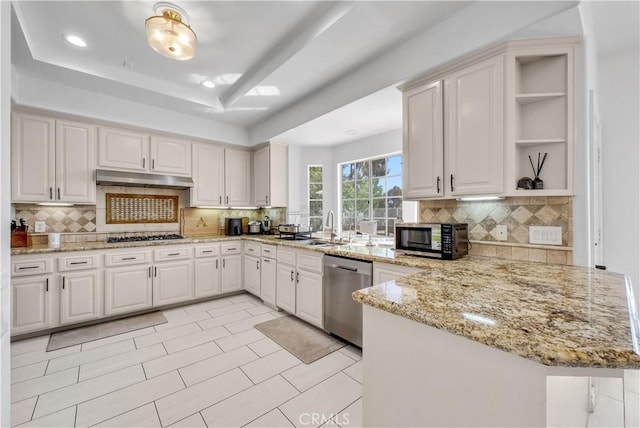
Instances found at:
x=40 y=226
x=546 y=235
x=500 y=232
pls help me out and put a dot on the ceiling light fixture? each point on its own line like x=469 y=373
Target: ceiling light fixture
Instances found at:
x=169 y=34
x=75 y=40
x=208 y=84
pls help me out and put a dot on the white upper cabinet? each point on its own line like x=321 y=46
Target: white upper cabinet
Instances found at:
x=208 y=175
x=422 y=145
x=237 y=178
x=52 y=160
x=270 y=176
x=474 y=113
x=128 y=150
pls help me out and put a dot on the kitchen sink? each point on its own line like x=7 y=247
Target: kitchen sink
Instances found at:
x=314 y=243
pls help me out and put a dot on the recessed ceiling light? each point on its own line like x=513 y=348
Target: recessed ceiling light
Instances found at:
x=75 y=40
x=351 y=132
x=208 y=84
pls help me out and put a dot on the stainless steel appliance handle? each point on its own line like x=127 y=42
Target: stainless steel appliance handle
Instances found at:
x=345 y=268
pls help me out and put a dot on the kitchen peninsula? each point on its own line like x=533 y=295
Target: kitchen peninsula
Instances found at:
x=497 y=327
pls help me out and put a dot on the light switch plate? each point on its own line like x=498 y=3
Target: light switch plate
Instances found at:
x=40 y=226
x=545 y=235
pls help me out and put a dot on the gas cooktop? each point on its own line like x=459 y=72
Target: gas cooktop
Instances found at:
x=138 y=238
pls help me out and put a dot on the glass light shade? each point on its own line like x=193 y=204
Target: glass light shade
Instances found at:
x=169 y=36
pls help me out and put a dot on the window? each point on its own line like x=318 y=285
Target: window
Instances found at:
x=315 y=197
x=372 y=189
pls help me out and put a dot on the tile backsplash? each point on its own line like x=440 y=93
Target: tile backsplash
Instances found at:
x=517 y=213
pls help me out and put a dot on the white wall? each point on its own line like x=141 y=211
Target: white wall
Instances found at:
x=619 y=88
x=28 y=91
x=5 y=199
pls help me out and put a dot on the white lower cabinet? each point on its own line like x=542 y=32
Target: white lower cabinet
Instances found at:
x=127 y=289
x=231 y=258
x=299 y=286
x=81 y=297
x=268 y=273
x=172 y=282
x=252 y=275
x=206 y=270
x=32 y=304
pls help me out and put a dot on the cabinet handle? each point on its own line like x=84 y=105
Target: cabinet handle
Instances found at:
x=297 y=277
x=149 y=271
x=267 y=251
x=216 y=263
x=266 y=261
x=143 y=162
x=223 y=264
x=58 y=193
x=227 y=200
x=50 y=192
x=207 y=251
x=128 y=258
x=231 y=249
x=438 y=185
x=452 y=183
x=79 y=263
x=220 y=199
x=173 y=254
x=28 y=267
x=63 y=282
x=153 y=164
x=267 y=199
x=155 y=271
x=47 y=286
x=257 y=264
x=291 y=276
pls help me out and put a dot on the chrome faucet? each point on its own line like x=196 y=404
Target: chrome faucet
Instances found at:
x=330 y=220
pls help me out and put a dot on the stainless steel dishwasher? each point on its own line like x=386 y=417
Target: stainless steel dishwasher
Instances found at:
x=342 y=315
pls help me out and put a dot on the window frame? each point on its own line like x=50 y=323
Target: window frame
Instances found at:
x=309 y=200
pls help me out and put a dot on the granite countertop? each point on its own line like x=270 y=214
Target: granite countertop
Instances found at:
x=552 y=314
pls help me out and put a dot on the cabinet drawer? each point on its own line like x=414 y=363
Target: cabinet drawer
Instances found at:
x=172 y=253
x=129 y=258
x=269 y=251
x=207 y=251
x=310 y=261
x=287 y=255
x=231 y=248
x=77 y=262
x=252 y=249
x=31 y=267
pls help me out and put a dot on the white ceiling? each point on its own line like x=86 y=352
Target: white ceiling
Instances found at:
x=297 y=46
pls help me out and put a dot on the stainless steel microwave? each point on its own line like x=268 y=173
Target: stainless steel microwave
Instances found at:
x=443 y=241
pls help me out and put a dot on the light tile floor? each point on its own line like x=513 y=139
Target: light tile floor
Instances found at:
x=207 y=366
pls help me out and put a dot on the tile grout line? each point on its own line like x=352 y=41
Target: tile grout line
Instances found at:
x=33 y=412
x=155 y=406
x=296 y=388
x=285 y=416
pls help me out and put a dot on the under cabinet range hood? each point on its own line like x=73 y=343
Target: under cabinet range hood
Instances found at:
x=137 y=179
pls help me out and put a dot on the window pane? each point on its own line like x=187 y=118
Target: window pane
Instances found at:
x=394 y=165
x=348 y=171
x=315 y=174
x=315 y=191
x=377 y=187
x=362 y=189
x=394 y=186
x=362 y=170
x=348 y=208
x=379 y=208
x=378 y=167
x=348 y=223
x=395 y=207
x=315 y=208
x=362 y=209
x=390 y=227
x=381 y=227
x=348 y=190
x=316 y=224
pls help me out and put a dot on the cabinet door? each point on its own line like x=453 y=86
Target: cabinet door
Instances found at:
x=75 y=162
x=31 y=304
x=309 y=297
x=208 y=175
x=252 y=275
x=286 y=288
x=422 y=142
x=81 y=297
x=383 y=272
x=207 y=277
x=172 y=282
x=237 y=178
x=474 y=107
x=127 y=289
x=32 y=158
x=268 y=281
x=123 y=149
x=231 y=273
x=261 y=177
x=170 y=156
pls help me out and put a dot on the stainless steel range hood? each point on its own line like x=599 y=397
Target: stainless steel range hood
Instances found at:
x=136 y=179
